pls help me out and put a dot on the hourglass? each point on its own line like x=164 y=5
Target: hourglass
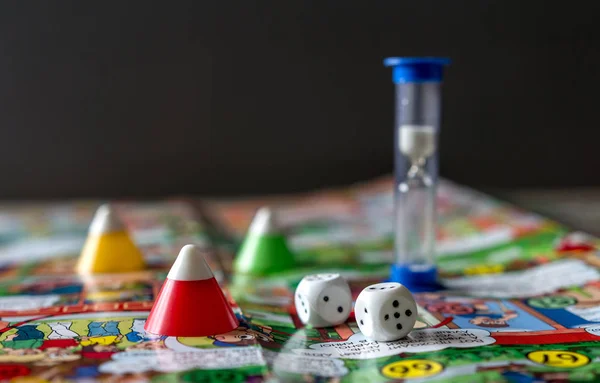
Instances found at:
x=418 y=107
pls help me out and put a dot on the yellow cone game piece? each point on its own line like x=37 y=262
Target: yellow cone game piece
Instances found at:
x=109 y=248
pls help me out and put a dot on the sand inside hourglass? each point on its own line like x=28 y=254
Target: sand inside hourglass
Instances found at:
x=417 y=142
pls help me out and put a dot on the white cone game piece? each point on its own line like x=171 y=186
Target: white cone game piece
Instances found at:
x=106 y=221
x=264 y=222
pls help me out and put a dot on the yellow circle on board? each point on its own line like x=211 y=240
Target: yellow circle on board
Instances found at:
x=103 y=295
x=412 y=368
x=484 y=269
x=195 y=341
x=28 y=379
x=561 y=359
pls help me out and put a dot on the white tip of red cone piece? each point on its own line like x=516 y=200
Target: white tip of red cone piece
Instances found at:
x=190 y=265
x=264 y=222
x=106 y=220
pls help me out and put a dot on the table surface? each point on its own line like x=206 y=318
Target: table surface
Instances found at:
x=578 y=208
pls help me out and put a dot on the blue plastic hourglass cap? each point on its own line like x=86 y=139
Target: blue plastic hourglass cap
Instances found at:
x=416 y=69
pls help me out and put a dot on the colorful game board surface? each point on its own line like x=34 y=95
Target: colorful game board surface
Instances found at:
x=522 y=302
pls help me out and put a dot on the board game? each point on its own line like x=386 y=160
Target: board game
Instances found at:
x=521 y=304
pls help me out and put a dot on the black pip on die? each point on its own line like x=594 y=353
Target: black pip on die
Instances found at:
x=323 y=300
x=385 y=311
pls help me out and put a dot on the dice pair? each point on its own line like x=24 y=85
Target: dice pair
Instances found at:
x=384 y=312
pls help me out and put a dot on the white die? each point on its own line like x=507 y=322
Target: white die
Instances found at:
x=385 y=311
x=323 y=300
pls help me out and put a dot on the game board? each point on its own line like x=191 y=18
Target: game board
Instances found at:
x=523 y=303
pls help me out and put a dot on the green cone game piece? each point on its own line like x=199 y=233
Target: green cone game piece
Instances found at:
x=264 y=250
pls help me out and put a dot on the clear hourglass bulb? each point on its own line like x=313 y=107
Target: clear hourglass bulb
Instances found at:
x=415 y=198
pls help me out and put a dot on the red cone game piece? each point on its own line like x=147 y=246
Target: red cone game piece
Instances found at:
x=191 y=302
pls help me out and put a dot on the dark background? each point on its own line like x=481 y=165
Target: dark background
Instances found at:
x=113 y=98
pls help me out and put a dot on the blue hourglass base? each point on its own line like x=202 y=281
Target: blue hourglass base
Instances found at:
x=416 y=281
